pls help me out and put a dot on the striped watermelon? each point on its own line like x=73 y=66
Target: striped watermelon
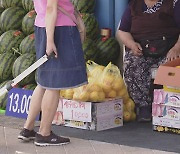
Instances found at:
x=4 y=97
x=11 y=18
x=10 y=39
x=6 y=64
x=84 y=6
x=28 y=44
x=91 y=24
x=89 y=49
x=28 y=5
x=108 y=51
x=28 y=22
x=11 y=3
x=21 y=64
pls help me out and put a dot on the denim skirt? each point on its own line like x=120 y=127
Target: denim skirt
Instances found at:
x=69 y=69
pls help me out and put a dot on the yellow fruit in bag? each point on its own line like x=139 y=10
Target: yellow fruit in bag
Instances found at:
x=126 y=116
x=84 y=96
x=122 y=92
x=118 y=84
x=94 y=96
x=112 y=94
x=126 y=98
x=133 y=116
x=94 y=87
x=69 y=94
x=130 y=105
x=101 y=96
x=62 y=93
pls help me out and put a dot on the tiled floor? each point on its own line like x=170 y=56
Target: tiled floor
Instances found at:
x=9 y=144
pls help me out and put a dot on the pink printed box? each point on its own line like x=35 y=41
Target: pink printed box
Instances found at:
x=168 y=112
x=166 y=98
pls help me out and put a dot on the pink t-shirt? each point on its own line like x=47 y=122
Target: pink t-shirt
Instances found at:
x=62 y=19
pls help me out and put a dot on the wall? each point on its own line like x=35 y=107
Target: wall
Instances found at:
x=109 y=13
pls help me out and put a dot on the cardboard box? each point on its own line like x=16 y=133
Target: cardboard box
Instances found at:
x=169 y=112
x=162 y=121
x=166 y=98
x=98 y=123
x=168 y=74
x=90 y=115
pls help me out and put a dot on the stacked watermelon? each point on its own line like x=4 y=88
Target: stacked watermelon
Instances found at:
x=96 y=48
x=17 y=46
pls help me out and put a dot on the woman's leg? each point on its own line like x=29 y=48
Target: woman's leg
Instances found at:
x=49 y=106
x=35 y=107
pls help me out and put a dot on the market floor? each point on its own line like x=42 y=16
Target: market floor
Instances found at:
x=9 y=144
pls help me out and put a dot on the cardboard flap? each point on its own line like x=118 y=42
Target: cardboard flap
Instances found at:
x=167 y=75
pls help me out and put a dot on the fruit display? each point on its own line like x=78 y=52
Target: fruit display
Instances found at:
x=104 y=83
x=17 y=52
x=17 y=46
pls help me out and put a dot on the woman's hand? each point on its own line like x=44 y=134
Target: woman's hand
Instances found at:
x=136 y=49
x=50 y=48
x=174 y=52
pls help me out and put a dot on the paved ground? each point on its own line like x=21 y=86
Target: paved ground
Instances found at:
x=9 y=144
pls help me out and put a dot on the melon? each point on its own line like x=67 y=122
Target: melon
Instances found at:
x=28 y=44
x=10 y=39
x=28 y=22
x=11 y=18
x=21 y=64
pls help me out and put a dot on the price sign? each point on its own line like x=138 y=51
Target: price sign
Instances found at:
x=78 y=111
x=18 y=103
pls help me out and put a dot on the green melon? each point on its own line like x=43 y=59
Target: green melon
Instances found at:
x=91 y=24
x=30 y=86
x=84 y=6
x=108 y=51
x=11 y=18
x=11 y=3
x=6 y=64
x=28 y=22
x=28 y=44
x=89 y=49
x=28 y=5
x=4 y=97
x=10 y=39
x=21 y=64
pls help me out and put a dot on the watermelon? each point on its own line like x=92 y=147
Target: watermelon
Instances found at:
x=89 y=49
x=28 y=44
x=6 y=64
x=108 y=51
x=21 y=64
x=9 y=40
x=11 y=18
x=28 y=22
x=11 y=3
x=4 y=97
x=84 y=6
x=28 y=5
x=30 y=86
x=91 y=24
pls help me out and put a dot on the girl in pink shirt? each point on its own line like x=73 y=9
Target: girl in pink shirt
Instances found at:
x=55 y=33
